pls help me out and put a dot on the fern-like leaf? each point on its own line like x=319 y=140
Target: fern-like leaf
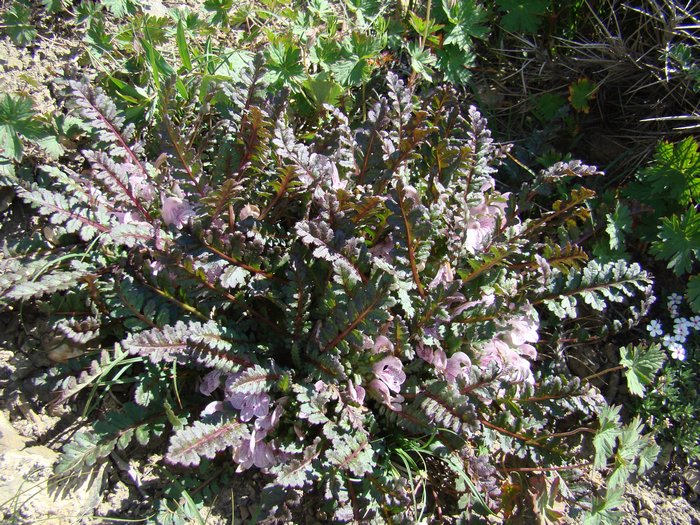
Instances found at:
x=206 y=438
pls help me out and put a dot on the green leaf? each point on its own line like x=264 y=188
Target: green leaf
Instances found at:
x=426 y=28
x=455 y=63
x=422 y=60
x=694 y=293
x=16 y=120
x=581 y=93
x=119 y=8
x=356 y=64
x=284 y=63
x=672 y=182
x=619 y=223
x=323 y=90
x=603 y=509
x=679 y=241
x=548 y=106
x=220 y=8
x=522 y=16
x=604 y=440
x=182 y=47
x=641 y=365
x=647 y=457
x=17 y=21
x=468 y=19
x=54 y=6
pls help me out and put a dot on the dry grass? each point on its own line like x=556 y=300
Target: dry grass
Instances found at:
x=642 y=95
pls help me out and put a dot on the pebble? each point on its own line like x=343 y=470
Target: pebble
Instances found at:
x=646 y=501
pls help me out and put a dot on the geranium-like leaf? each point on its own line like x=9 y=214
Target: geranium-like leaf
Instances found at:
x=641 y=364
x=581 y=93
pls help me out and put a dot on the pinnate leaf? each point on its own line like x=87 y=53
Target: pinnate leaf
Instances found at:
x=206 y=438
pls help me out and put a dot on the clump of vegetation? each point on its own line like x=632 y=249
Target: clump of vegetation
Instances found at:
x=292 y=251
x=323 y=295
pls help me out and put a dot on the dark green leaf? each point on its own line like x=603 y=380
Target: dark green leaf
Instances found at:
x=17 y=21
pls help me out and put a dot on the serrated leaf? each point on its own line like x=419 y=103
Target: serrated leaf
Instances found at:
x=118 y=8
x=206 y=438
x=284 y=63
x=469 y=21
x=234 y=277
x=17 y=22
x=641 y=365
x=455 y=64
x=16 y=120
x=581 y=93
x=679 y=241
x=694 y=293
x=618 y=223
x=422 y=60
x=353 y=454
x=604 y=440
x=83 y=450
x=522 y=15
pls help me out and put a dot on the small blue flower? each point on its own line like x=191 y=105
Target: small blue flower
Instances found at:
x=655 y=329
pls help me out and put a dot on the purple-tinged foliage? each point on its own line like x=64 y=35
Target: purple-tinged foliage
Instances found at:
x=324 y=286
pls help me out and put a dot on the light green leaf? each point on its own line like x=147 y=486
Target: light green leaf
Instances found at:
x=322 y=89
x=468 y=19
x=604 y=440
x=16 y=120
x=641 y=365
x=182 y=47
x=422 y=60
x=619 y=223
x=284 y=63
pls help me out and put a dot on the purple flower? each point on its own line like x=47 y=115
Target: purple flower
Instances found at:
x=212 y=408
x=382 y=343
x=142 y=188
x=381 y=391
x=355 y=393
x=176 y=211
x=210 y=382
x=444 y=276
x=513 y=365
x=390 y=371
x=250 y=405
x=254 y=451
x=457 y=365
x=522 y=331
x=269 y=422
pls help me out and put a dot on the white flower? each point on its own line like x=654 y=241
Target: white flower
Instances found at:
x=680 y=327
x=677 y=351
x=654 y=328
x=674 y=300
x=695 y=322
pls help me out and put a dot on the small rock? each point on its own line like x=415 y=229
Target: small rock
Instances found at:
x=646 y=502
x=9 y=438
x=692 y=478
x=643 y=521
